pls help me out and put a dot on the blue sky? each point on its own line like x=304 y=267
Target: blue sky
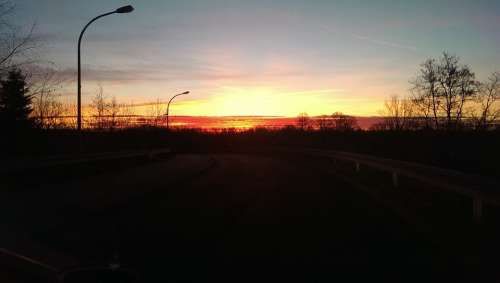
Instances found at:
x=266 y=57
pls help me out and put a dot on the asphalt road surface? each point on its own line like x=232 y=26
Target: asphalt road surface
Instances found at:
x=205 y=218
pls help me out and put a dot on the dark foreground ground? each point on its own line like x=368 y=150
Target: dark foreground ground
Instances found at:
x=234 y=218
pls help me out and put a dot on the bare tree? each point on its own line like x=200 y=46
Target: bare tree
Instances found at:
x=17 y=50
x=425 y=89
x=324 y=122
x=444 y=87
x=423 y=113
x=101 y=108
x=398 y=113
x=157 y=111
x=69 y=115
x=465 y=92
x=127 y=115
x=15 y=47
x=344 y=123
x=44 y=85
x=488 y=100
x=114 y=111
x=303 y=121
x=48 y=112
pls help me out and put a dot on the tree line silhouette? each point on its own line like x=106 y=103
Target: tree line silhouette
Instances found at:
x=445 y=95
x=334 y=122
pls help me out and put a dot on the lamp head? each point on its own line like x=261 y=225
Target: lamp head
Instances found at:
x=125 y=9
x=186 y=92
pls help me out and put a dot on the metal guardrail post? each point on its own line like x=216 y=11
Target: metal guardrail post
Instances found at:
x=447 y=179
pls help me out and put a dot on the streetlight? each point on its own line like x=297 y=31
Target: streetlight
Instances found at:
x=168 y=105
x=121 y=10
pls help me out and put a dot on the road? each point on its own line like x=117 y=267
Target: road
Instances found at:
x=222 y=217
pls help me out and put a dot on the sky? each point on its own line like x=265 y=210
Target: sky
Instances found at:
x=273 y=58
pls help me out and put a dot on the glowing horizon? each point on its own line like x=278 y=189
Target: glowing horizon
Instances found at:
x=264 y=102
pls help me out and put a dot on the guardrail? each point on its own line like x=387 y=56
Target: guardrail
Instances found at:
x=480 y=189
x=21 y=263
x=8 y=166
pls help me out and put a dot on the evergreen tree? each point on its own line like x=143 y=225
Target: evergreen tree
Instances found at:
x=15 y=102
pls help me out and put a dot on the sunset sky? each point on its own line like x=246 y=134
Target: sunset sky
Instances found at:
x=262 y=57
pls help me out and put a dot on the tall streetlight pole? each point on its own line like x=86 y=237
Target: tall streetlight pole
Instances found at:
x=168 y=105
x=121 y=10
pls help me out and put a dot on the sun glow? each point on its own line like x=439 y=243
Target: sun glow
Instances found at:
x=265 y=101
x=247 y=101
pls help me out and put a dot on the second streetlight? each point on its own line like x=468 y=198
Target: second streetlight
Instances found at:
x=168 y=105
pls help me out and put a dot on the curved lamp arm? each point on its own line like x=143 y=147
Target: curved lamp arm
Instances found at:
x=168 y=105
